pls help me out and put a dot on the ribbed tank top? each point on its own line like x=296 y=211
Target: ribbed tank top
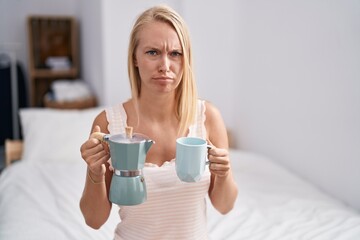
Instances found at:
x=173 y=209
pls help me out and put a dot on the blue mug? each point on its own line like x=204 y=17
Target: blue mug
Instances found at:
x=191 y=158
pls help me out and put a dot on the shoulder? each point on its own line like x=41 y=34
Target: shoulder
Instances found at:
x=101 y=121
x=215 y=126
x=113 y=118
x=212 y=113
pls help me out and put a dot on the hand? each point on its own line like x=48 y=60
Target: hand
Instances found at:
x=219 y=161
x=95 y=153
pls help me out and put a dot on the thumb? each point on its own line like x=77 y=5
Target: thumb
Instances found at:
x=96 y=129
x=96 y=133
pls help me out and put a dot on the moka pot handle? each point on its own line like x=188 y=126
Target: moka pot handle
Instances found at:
x=100 y=136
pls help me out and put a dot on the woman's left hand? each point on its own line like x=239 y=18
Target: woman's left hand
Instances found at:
x=219 y=161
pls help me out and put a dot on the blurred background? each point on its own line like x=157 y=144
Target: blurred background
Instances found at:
x=284 y=74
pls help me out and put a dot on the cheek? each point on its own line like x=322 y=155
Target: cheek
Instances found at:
x=179 y=71
x=142 y=73
x=177 y=67
x=145 y=70
x=145 y=64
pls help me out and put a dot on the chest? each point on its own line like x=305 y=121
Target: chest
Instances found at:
x=162 y=151
x=164 y=148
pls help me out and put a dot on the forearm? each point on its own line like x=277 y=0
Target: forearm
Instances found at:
x=223 y=193
x=94 y=203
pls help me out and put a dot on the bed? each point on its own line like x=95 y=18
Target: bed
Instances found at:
x=39 y=194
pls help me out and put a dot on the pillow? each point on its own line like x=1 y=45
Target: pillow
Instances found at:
x=55 y=135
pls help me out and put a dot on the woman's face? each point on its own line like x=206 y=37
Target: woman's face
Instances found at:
x=158 y=58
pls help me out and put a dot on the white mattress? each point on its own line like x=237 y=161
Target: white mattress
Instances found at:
x=41 y=201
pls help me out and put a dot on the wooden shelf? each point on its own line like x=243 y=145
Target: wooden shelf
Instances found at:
x=79 y=104
x=52 y=73
x=50 y=36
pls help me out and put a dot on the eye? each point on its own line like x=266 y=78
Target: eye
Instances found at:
x=152 y=52
x=176 y=54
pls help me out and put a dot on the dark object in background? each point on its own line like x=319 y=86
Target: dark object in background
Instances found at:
x=6 y=115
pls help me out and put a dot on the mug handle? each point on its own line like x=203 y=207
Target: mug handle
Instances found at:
x=207 y=162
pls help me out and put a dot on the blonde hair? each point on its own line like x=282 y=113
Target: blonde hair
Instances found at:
x=186 y=93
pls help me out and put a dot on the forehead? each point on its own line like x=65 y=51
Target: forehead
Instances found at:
x=157 y=32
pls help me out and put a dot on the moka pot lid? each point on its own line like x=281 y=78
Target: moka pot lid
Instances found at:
x=124 y=139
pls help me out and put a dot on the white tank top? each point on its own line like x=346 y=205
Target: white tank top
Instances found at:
x=173 y=209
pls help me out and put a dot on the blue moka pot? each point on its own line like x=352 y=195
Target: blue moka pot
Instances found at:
x=128 y=155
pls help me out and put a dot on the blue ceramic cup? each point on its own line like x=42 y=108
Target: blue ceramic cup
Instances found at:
x=191 y=158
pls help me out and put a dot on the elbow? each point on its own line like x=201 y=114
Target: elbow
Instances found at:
x=225 y=210
x=90 y=219
x=93 y=224
x=224 y=206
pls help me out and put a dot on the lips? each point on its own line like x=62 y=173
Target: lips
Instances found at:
x=163 y=78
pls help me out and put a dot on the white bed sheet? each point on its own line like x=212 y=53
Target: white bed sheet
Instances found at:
x=41 y=201
x=274 y=204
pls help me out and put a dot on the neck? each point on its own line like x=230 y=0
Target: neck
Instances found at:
x=157 y=108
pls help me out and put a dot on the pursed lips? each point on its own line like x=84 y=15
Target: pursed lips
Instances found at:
x=163 y=78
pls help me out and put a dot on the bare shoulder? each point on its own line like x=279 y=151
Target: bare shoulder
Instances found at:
x=101 y=121
x=213 y=115
x=215 y=126
x=211 y=111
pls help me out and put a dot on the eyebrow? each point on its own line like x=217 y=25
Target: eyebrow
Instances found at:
x=178 y=48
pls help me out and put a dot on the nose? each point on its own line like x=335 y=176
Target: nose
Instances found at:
x=164 y=64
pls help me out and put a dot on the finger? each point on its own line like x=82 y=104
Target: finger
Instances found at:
x=93 y=147
x=219 y=167
x=96 y=129
x=216 y=159
x=99 y=137
x=220 y=174
x=97 y=169
x=218 y=152
x=96 y=161
x=91 y=144
x=96 y=133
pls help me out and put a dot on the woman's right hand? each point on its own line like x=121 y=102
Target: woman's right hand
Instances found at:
x=96 y=154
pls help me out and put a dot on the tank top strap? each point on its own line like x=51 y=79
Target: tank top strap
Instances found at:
x=198 y=128
x=117 y=119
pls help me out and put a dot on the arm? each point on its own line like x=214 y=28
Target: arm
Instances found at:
x=94 y=203
x=223 y=190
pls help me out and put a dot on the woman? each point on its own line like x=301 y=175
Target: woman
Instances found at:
x=164 y=106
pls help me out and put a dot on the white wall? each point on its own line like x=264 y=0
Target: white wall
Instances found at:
x=91 y=44
x=212 y=27
x=298 y=88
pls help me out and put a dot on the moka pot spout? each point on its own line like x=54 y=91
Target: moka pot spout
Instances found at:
x=148 y=144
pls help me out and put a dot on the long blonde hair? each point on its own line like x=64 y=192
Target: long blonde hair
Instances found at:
x=186 y=93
